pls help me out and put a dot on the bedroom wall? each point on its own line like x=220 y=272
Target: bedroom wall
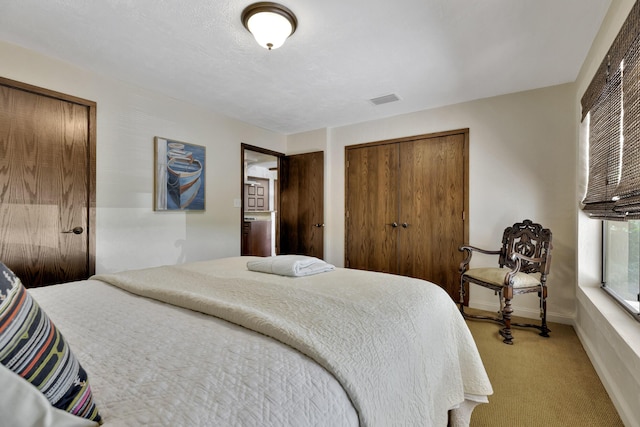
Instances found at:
x=609 y=335
x=522 y=165
x=519 y=144
x=129 y=233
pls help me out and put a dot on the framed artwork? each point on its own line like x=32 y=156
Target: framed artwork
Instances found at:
x=179 y=176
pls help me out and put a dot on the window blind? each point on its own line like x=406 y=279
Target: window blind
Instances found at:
x=604 y=148
x=628 y=190
x=612 y=102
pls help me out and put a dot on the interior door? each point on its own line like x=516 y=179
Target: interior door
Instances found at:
x=431 y=210
x=47 y=184
x=372 y=208
x=259 y=181
x=301 y=198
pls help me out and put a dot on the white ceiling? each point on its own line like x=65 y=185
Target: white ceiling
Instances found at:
x=429 y=53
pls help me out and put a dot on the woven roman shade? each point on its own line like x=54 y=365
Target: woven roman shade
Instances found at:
x=604 y=148
x=628 y=190
x=612 y=101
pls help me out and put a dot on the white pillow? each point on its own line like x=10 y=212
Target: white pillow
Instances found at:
x=23 y=405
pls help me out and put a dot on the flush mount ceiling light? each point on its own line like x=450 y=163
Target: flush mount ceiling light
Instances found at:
x=270 y=23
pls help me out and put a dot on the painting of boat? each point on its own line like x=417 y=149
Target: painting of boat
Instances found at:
x=180 y=175
x=176 y=151
x=184 y=173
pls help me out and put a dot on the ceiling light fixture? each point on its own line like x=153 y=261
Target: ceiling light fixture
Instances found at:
x=270 y=23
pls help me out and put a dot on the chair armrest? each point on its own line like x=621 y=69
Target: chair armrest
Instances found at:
x=468 y=252
x=517 y=258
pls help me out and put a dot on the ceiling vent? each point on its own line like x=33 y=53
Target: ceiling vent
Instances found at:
x=385 y=99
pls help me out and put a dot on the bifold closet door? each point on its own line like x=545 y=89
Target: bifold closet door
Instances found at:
x=405 y=203
x=372 y=208
x=431 y=210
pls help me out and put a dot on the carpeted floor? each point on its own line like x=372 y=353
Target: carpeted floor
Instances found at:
x=540 y=381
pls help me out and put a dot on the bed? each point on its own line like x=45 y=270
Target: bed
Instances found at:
x=215 y=344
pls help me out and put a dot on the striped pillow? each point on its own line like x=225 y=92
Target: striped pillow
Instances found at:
x=32 y=347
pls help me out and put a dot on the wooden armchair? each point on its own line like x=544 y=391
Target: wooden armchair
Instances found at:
x=523 y=266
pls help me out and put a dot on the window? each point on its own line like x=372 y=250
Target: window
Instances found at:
x=621 y=263
x=611 y=105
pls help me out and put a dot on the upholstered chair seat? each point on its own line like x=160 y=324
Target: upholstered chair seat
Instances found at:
x=497 y=275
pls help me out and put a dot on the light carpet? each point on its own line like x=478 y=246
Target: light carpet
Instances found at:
x=540 y=381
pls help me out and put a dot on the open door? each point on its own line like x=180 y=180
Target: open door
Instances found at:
x=260 y=211
x=302 y=204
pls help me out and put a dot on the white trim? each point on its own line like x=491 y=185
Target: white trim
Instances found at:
x=611 y=339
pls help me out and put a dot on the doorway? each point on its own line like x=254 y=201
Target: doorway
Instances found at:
x=260 y=191
x=282 y=208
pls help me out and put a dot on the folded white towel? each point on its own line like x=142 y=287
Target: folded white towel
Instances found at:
x=290 y=265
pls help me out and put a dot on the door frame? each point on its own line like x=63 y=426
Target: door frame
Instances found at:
x=91 y=157
x=278 y=157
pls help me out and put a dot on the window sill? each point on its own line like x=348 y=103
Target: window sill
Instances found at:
x=617 y=318
x=630 y=307
x=611 y=338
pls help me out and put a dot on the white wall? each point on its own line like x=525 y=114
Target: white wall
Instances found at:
x=129 y=233
x=519 y=144
x=307 y=142
x=610 y=336
x=521 y=166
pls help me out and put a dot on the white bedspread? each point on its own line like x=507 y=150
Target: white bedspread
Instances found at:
x=154 y=364
x=398 y=346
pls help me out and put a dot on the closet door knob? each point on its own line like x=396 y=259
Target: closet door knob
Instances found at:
x=393 y=224
x=405 y=225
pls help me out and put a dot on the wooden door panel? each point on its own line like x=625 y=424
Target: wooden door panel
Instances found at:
x=371 y=207
x=432 y=189
x=420 y=183
x=301 y=179
x=44 y=187
x=449 y=214
x=417 y=202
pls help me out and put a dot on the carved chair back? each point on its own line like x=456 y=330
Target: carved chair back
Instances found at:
x=531 y=240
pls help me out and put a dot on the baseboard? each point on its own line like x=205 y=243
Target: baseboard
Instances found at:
x=528 y=313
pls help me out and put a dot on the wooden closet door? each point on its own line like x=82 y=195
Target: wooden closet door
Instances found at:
x=431 y=210
x=371 y=208
x=418 y=183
